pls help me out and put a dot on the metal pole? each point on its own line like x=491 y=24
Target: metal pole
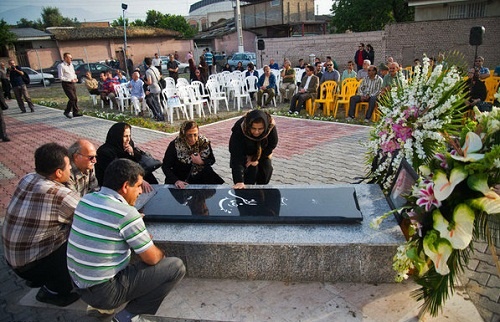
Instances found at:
x=41 y=69
x=125 y=40
x=239 y=28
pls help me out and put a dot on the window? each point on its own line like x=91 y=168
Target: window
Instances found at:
x=275 y=3
x=468 y=10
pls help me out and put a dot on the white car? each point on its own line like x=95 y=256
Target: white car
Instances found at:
x=36 y=78
x=183 y=67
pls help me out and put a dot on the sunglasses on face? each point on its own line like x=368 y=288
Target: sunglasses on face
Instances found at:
x=89 y=157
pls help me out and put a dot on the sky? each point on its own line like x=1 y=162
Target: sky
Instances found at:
x=106 y=10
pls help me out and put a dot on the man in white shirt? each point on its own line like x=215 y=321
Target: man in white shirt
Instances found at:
x=68 y=79
x=307 y=90
x=157 y=62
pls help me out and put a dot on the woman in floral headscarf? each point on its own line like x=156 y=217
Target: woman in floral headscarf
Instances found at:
x=189 y=158
x=251 y=146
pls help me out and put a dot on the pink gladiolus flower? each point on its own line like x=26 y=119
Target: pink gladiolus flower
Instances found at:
x=426 y=197
x=402 y=132
x=389 y=146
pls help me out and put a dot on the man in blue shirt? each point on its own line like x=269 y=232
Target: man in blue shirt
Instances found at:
x=19 y=87
x=209 y=58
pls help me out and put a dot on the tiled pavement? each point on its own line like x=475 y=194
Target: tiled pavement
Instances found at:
x=309 y=152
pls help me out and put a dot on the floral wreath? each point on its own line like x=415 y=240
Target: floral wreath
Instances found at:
x=456 y=198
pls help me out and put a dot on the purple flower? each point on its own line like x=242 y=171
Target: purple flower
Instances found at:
x=426 y=197
x=402 y=132
x=389 y=146
x=442 y=158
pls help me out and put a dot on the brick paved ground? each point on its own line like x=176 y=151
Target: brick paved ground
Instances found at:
x=309 y=152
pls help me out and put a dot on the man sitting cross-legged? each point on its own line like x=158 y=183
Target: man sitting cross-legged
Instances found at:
x=368 y=91
x=267 y=85
x=307 y=90
x=105 y=229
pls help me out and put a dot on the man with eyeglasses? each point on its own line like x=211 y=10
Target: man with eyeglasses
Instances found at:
x=83 y=157
x=37 y=224
x=483 y=71
x=368 y=91
x=329 y=74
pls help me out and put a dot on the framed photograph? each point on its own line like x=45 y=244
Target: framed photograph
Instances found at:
x=402 y=185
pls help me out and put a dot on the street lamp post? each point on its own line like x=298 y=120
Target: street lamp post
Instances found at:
x=124 y=7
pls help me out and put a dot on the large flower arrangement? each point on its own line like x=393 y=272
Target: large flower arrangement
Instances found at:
x=413 y=117
x=455 y=200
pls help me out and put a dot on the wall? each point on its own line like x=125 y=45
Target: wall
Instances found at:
x=415 y=38
x=229 y=43
x=403 y=41
x=340 y=46
x=102 y=49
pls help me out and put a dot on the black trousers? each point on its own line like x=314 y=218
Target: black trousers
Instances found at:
x=51 y=271
x=70 y=91
x=261 y=174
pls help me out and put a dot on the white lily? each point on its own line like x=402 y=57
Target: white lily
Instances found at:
x=444 y=187
x=472 y=144
x=438 y=250
x=490 y=203
x=459 y=231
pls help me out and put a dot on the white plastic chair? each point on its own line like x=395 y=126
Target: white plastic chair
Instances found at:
x=239 y=93
x=122 y=96
x=166 y=93
x=251 y=84
x=216 y=95
x=182 y=82
x=200 y=91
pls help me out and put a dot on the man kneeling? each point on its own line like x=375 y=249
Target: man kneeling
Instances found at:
x=105 y=228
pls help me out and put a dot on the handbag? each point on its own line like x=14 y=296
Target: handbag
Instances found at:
x=147 y=162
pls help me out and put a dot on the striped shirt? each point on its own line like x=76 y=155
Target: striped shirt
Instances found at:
x=370 y=87
x=38 y=219
x=105 y=229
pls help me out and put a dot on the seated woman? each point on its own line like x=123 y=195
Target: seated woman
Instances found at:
x=189 y=158
x=119 y=144
x=226 y=67
x=240 y=67
x=251 y=146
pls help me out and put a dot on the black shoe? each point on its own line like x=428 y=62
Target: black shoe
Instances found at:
x=55 y=299
x=6 y=139
x=67 y=115
x=32 y=109
x=77 y=114
x=290 y=112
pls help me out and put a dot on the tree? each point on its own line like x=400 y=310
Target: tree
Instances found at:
x=7 y=37
x=119 y=22
x=368 y=15
x=51 y=17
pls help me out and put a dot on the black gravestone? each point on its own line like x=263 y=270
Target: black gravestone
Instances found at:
x=253 y=205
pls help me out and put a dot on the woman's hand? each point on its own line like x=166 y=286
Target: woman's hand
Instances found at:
x=239 y=185
x=196 y=159
x=146 y=187
x=128 y=148
x=180 y=184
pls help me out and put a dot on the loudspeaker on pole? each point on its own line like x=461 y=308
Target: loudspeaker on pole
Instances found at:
x=476 y=36
x=260 y=44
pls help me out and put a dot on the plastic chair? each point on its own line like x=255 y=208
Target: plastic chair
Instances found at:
x=347 y=89
x=251 y=84
x=492 y=84
x=201 y=93
x=122 y=96
x=182 y=82
x=216 y=95
x=326 y=96
x=167 y=93
x=240 y=93
x=364 y=105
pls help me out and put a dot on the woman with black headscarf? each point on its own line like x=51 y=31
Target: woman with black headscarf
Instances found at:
x=118 y=145
x=189 y=158
x=251 y=145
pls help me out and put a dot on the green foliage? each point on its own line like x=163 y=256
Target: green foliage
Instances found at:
x=119 y=22
x=170 y=22
x=368 y=15
x=51 y=17
x=6 y=36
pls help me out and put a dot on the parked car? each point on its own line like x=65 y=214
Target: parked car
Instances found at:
x=183 y=67
x=37 y=78
x=95 y=68
x=53 y=69
x=244 y=58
